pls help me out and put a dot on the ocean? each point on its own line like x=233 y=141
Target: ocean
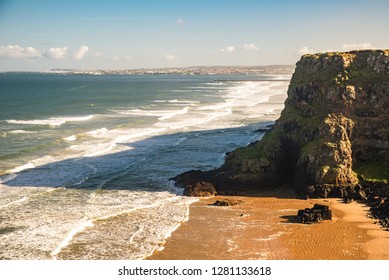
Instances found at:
x=85 y=161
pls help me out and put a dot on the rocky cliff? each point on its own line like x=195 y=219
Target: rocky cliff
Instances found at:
x=332 y=134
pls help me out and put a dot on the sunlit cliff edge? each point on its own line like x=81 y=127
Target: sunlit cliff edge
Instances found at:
x=331 y=137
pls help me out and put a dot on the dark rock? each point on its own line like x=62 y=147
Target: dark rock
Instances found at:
x=377 y=195
x=315 y=214
x=227 y=202
x=262 y=130
x=200 y=189
x=265 y=129
x=188 y=178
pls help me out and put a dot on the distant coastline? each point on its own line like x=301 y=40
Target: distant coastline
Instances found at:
x=193 y=70
x=252 y=80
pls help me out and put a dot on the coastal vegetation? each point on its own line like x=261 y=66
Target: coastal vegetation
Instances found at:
x=373 y=171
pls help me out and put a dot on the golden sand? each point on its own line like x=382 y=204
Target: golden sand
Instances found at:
x=265 y=226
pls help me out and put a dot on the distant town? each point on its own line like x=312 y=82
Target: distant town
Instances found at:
x=196 y=70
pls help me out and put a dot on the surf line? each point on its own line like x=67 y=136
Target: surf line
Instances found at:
x=86 y=223
x=139 y=230
x=14 y=202
x=83 y=224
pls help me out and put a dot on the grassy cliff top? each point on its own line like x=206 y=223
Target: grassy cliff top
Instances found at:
x=337 y=68
x=348 y=54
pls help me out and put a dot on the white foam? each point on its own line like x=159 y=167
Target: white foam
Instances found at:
x=51 y=122
x=140 y=112
x=174 y=113
x=98 y=149
x=132 y=135
x=71 y=138
x=161 y=114
x=179 y=141
x=170 y=231
x=19 y=131
x=82 y=225
x=198 y=119
x=248 y=100
x=21 y=168
x=97 y=132
x=187 y=213
x=14 y=202
x=56 y=121
x=87 y=223
x=99 y=206
x=187 y=102
x=140 y=229
x=7 y=177
x=42 y=160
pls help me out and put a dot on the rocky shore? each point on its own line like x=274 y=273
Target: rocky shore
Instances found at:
x=331 y=140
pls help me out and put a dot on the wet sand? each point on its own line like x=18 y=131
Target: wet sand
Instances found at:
x=265 y=226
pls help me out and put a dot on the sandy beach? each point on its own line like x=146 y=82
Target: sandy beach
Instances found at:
x=265 y=227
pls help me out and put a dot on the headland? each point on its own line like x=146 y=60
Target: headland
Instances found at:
x=331 y=143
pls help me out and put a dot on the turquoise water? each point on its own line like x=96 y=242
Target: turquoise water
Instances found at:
x=85 y=161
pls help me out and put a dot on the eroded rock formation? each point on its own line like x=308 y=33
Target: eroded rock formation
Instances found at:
x=334 y=127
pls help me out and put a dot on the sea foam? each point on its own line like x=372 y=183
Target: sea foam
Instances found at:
x=55 y=121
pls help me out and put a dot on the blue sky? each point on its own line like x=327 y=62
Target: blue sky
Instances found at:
x=41 y=35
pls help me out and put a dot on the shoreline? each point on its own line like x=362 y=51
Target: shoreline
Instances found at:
x=265 y=227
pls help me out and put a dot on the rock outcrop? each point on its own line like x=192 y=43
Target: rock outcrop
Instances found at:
x=333 y=131
x=227 y=202
x=200 y=189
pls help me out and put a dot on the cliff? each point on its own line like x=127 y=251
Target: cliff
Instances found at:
x=332 y=135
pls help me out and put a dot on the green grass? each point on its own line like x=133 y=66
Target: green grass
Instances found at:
x=373 y=171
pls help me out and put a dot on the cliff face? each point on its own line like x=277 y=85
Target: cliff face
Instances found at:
x=333 y=130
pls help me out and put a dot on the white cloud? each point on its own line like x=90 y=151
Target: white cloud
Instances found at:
x=180 y=22
x=56 y=53
x=170 y=57
x=81 y=52
x=229 y=49
x=359 y=46
x=15 y=51
x=305 y=50
x=18 y=52
x=250 y=47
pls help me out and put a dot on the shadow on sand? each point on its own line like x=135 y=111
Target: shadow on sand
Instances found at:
x=290 y=219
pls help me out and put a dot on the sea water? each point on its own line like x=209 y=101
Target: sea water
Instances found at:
x=85 y=161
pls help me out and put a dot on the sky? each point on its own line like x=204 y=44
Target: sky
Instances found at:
x=41 y=35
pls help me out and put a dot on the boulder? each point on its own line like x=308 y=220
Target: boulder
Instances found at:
x=200 y=189
x=227 y=202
